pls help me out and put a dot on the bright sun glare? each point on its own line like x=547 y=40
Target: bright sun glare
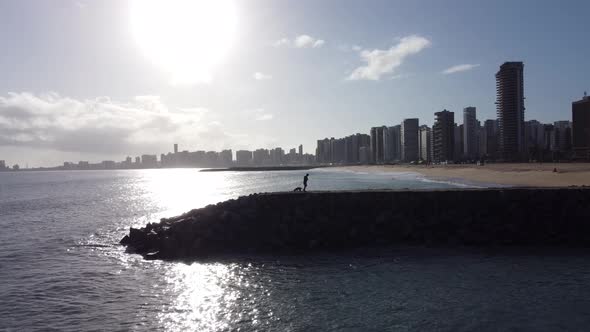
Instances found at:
x=186 y=38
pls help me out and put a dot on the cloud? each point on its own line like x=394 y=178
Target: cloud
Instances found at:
x=306 y=41
x=459 y=68
x=381 y=62
x=301 y=41
x=103 y=126
x=282 y=42
x=259 y=114
x=261 y=77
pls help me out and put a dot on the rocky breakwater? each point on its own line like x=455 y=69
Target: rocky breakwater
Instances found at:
x=299 y=222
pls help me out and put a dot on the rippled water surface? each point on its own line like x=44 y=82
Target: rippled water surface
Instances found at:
x=61 y=267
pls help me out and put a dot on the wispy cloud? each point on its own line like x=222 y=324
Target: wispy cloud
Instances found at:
x=259 y=114
x=382 y=62
x=261 y=76
x=301 y=41
x=103 y=126
x=459 y=68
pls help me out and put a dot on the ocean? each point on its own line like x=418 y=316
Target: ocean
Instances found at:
x=61 y=267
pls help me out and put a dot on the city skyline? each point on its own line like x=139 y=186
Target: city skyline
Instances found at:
x=97 y=92
x=445 y=141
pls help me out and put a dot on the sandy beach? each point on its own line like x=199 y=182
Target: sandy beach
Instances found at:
x=533 y=175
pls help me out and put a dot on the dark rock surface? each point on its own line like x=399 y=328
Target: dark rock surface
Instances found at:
x=299 y=222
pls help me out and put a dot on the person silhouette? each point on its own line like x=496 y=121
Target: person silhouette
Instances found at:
x=305 y=182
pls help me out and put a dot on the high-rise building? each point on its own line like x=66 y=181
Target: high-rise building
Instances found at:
x=175 y=148
x=351 y=149
x=581 y=128
x=548 y=136
x=261 y=157
x=510 y=110
x=226 y=158
x=534 y=132
x=482 y=141
x=323 y=151
x=391 y=143
x=443 y=136
x=491 y=138
x=377 y=134
x=364 y=154
x=364 y=143
x=243 y=157
x=2 y=165
x=458 y=146
x=387 y=145
x=277 y=155
x=338 y=150
x=425 y=141
x=409 y=140
x=470 y=129
x=562 y=138
x=373 y=147
x=148 y=161
x=300 y=149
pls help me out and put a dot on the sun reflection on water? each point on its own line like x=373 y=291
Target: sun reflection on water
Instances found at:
x=198 y=296
x=212 y=297
x=180 y=190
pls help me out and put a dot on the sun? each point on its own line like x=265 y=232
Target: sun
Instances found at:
x=185 y=38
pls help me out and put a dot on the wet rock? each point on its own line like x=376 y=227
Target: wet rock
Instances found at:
x=125 y=240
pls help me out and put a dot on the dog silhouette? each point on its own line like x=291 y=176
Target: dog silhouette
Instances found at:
x=297 y=189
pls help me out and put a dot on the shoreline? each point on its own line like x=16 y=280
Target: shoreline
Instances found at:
x=509 y=174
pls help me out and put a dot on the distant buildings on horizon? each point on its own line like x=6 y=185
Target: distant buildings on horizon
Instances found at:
x=509 y=138
x=201 y=159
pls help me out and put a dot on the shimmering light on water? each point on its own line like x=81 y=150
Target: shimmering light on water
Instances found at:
x=180 y=190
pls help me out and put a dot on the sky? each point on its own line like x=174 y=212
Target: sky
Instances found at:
x=101 y=80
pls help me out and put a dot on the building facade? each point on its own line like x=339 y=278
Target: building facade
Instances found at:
x=510 y=111
x=377 y=141
x=243 y=157
x=391 y=143
x=470 y=133
x=425 y=143
x=581 y=128
x=409 y=140
x=443 y=136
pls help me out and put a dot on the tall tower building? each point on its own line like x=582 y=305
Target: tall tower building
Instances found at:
x=443 y=134
x=175 y=148
x=300 y=149
x=470 y=129
x=424 y=136
x=377 y=144
x=581 y=128
x=391 y=143
x=510 y=111
x=409 y=140
x=458 y=147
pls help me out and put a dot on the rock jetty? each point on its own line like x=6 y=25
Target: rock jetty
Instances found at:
x=299 y=222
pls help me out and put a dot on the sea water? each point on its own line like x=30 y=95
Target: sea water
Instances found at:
x=61 y=267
